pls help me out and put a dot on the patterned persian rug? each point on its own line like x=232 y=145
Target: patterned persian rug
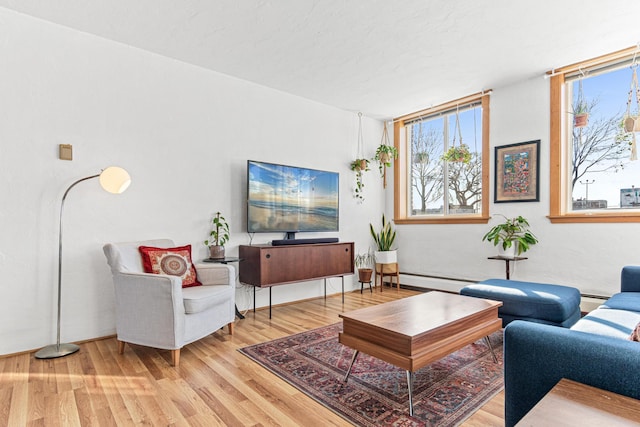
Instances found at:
x=445 y=393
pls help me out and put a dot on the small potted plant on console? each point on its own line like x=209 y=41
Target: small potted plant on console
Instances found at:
x=364 y=263
x=219 y=235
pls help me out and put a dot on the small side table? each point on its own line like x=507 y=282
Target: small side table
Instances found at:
x=226 y=260
x=508 y=259
x=570 y=403
x=391 y=270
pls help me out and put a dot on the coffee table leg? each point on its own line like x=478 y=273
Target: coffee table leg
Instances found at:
x=493 y=353
x=410 y=387
x=353 y=359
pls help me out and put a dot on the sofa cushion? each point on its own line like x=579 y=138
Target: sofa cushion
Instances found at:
x=170 y=261
x=201 y=298
x=624 y=301
x=611 y=323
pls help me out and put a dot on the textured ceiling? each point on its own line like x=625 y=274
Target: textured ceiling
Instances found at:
x=382 y=57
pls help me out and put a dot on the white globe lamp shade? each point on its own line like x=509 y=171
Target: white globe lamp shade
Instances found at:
x=115 y=180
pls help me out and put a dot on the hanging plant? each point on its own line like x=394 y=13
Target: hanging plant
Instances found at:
x=457 y=153
x=359 y=166
x=385 y=154
x=581 y=112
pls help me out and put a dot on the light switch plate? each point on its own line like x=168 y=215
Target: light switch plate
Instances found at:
x=66 y=152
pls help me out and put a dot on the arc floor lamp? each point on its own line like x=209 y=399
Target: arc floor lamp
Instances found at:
x=114 y=180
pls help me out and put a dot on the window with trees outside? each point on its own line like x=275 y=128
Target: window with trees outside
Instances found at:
x=442 y=173
x=595 y=176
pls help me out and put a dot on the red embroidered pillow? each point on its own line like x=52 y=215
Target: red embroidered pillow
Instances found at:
x=171 y=261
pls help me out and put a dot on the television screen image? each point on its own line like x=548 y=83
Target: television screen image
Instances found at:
x=290 y=199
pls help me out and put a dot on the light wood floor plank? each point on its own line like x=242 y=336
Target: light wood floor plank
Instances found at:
x=215 y=385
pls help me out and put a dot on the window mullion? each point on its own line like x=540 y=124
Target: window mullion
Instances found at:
x=445 y=169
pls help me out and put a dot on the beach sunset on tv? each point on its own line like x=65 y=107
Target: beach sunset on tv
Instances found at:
x=290 y=199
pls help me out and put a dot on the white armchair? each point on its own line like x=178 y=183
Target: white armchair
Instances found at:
x=155 y=311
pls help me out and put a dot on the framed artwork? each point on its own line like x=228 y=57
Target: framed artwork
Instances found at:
x=517 y=172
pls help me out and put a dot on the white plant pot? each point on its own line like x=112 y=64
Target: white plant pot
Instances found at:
x=509 y=252
x=386 y=257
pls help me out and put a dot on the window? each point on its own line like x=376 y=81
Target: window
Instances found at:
x=593 y=176
x=442 y=173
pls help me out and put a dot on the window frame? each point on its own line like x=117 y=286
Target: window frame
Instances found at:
x=558 y=152
x=400 y=176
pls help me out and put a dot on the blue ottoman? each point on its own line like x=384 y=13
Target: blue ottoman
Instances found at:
x=535 y=302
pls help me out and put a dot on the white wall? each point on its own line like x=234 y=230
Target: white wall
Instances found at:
x=183 y=133
x=587 y=256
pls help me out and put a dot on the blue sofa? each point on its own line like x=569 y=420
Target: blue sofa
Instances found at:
x=595 y=351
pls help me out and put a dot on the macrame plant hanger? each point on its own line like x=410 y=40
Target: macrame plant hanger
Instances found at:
x=385 y=141
x=360 y=153
x=632 y=123
x=460 y=152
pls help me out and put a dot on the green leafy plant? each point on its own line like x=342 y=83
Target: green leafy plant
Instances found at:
x=385 y=238
x=457 y=153
x=219 y=235
x=385 y=154
x=359 y=166
x=512 y=230
x=364 y=260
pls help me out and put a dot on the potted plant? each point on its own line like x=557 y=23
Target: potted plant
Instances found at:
x=513 y=234
x=384 y=243
x=580 y=110
x=457 y=153
x=385 y=154
x=364 y=263
x=580 y=115
x=359 y=166
x=219 y=235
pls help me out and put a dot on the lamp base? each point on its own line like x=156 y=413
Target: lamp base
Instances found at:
x=56 y=350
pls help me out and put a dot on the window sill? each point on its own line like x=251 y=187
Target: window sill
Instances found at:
x=450 y=219
x=592 y=217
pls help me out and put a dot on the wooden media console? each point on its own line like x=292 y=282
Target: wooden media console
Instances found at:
x=268 y=266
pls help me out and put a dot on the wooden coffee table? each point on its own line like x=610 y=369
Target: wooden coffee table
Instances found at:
x=413 y=332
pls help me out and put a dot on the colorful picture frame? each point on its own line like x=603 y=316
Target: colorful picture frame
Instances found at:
x=517 y=172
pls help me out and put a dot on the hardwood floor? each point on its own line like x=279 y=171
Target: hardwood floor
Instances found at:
x=214 y=384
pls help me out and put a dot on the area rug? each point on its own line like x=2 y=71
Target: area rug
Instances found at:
x=445 y=393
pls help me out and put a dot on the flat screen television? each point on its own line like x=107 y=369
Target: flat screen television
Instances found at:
x=291 y=199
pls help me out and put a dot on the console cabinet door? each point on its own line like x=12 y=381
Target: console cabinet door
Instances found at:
x=274 y=265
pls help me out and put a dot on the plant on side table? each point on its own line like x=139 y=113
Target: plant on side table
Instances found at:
x=364 y=264
x=219 y=235
x=513 y=236
x=384 y=243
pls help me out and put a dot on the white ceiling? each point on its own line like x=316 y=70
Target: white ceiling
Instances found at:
x=382 y=57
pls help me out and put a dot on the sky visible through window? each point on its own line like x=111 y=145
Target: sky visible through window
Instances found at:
x=609 y=92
